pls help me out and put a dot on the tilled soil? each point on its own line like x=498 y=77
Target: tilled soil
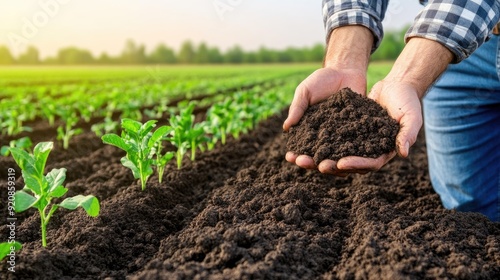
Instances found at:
x=242 y=211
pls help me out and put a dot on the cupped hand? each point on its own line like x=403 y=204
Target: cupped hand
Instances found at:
x=401 y=101
x=318 y=87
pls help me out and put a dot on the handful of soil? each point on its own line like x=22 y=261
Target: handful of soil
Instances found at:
x=346 y=124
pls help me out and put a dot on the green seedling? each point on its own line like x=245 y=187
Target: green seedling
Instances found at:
x=220 y=117
x=6 y=248
x=86 y=111
x=66 y=132
x=23 y=143
x=107 y=126
x=185 y=134
x=49 y=110
x=197 y=138
x=40 y=189
x=130 y=110
x=161 y=160
x=12 y=123
x=138 y=141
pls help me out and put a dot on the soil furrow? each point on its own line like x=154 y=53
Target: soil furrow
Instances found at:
x=270 y=221
x=132 y=223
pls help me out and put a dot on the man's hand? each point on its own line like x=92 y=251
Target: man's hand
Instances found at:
x=317 y=87
x=346 y=62
x=402 y=102
x=418 y=66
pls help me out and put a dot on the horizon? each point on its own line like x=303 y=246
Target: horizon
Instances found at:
x=50 y=25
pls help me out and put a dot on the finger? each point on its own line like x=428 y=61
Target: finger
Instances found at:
x=410 y=125
x=298 y=106
x=291 y=157
x=305 y=162
x=328 y=166
x=357 y=164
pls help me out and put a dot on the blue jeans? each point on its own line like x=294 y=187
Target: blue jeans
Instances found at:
x=462 y=129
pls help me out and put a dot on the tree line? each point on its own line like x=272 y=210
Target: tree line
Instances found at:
x=190 y=53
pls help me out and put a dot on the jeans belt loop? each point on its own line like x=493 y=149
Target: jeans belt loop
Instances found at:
x=496 y=29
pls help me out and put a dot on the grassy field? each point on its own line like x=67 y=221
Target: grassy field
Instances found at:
x=48 y=74
x=86 y=92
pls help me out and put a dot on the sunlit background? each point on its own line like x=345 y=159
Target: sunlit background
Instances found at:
x=105 y=26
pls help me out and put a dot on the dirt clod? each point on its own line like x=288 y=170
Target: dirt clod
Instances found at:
x=346 y=124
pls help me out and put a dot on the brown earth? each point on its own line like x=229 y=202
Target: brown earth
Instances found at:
x=242 y=211
x=345 y=124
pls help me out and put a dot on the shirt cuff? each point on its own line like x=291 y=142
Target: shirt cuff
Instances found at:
x=355 y=17
x=462 y=29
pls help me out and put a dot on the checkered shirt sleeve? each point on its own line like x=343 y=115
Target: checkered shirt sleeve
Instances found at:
x=368 y=13
x=460 y=25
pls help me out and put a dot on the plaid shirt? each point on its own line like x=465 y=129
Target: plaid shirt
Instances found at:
x=460 y=25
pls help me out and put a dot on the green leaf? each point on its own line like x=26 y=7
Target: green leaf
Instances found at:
x=158 y=134
x=76 y=131
x=23 y=143
x=32 y=166
x=34 y=183
x=89 y=203
x=41 y=153
x=59 y=191
x=147 y=127
x=55 y=178
x=24 y=160
x=130 y=125
x=115 y=140
x=5 y=248
x=163 y=160
x=129 y=164
x=23 y=201
x=148 y=170
x=4 y=151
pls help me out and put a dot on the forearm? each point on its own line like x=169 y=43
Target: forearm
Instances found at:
x=461 y=26
x=349 y=47
x=420 y=64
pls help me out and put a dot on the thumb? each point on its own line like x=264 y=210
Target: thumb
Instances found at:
x=298 y=106
x=410 y=124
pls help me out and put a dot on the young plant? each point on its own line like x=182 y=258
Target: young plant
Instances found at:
x=197 y=137
x=185 y=134
x=7 y=248
x=161 y=160
x=49 y=110
x=12 y=122
x=23 y=143
x=130 y=110
x=138 y=141
x=220 y=117
x=107 y=126
x=40 y=189
x=65 y=133
x=158 y=110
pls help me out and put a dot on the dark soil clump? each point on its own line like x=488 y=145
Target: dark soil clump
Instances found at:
x=346 y=124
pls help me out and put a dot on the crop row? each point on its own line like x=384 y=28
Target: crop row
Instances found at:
x=145 y=149
x=105 y=100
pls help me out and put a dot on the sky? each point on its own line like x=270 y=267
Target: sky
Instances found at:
x=105 y=25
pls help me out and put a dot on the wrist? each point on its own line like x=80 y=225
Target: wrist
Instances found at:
x=349 y=47
x=420 y=63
